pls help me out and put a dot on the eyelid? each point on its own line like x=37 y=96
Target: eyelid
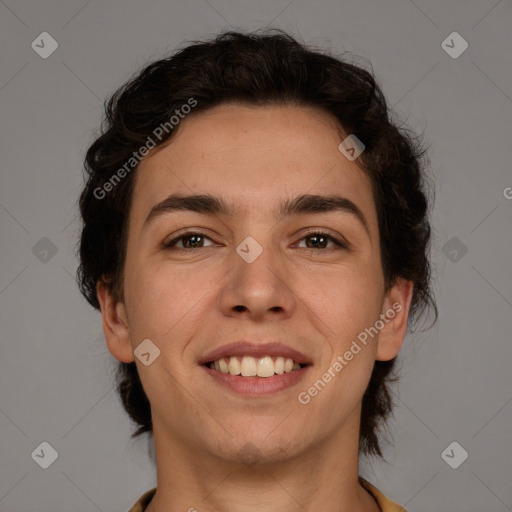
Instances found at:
x=188 y=232
x=338 y=240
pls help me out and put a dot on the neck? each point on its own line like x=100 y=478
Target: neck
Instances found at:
x=323 y=477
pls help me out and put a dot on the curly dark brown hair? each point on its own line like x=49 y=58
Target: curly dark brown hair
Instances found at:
x=259 y=69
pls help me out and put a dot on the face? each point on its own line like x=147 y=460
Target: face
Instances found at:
x=266 y=276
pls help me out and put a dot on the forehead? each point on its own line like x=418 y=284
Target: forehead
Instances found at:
x=253 y=157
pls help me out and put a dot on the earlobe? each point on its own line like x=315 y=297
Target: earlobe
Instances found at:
x=115 y=324
x=396 y=311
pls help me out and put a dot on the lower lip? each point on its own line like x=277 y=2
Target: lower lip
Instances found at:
x=257 y=386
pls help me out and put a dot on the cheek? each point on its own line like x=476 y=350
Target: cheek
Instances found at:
x=160 y=297
x=347 y=299
x=349 y=308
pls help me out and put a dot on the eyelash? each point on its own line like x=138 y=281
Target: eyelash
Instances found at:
x=170 y=245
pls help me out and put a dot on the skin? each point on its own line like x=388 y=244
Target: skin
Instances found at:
x=186 y=304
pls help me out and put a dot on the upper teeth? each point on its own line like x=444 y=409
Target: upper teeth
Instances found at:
x=248 y=366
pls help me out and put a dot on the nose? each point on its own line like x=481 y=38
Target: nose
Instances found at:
x=259 y=289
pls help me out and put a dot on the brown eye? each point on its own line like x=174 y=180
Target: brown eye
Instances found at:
x=319 y=240
x=195 y=240
x=189 y=241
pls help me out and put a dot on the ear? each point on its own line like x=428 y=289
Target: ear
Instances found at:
x=394 y=315
x=115 y=324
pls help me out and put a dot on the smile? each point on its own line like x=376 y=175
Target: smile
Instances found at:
x=248 y=366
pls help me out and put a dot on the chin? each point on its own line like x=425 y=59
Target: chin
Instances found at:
x=264 y=446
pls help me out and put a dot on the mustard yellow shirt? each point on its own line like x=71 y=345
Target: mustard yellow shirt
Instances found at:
x=384 y=504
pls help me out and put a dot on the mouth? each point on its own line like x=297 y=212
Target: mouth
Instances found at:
x=255 y=369
x=248 y=366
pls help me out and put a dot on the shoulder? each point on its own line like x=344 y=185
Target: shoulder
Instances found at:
x=143 y=501
x=384 y=503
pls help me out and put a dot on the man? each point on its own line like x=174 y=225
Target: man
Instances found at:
x=256 y=237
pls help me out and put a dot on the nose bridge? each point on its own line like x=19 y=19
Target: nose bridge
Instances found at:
x=257 y=282
x=256 y=263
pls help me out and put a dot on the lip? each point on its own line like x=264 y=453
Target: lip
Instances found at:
x=256 y=386
x=259 y=349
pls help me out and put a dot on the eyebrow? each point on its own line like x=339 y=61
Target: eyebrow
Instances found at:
x=213 y=205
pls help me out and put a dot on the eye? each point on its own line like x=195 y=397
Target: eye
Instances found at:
x=195 y=240
x=320 y=239
x=192 y=240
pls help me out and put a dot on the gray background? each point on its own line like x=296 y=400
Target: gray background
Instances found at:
x=55 y=371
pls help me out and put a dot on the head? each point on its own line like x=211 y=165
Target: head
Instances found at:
x=255 y=120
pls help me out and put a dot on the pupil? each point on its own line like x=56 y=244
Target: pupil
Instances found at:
x=320 y=240
x=192 y=237
x=317 y=238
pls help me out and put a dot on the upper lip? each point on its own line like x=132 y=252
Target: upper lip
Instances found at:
x=255 y=349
